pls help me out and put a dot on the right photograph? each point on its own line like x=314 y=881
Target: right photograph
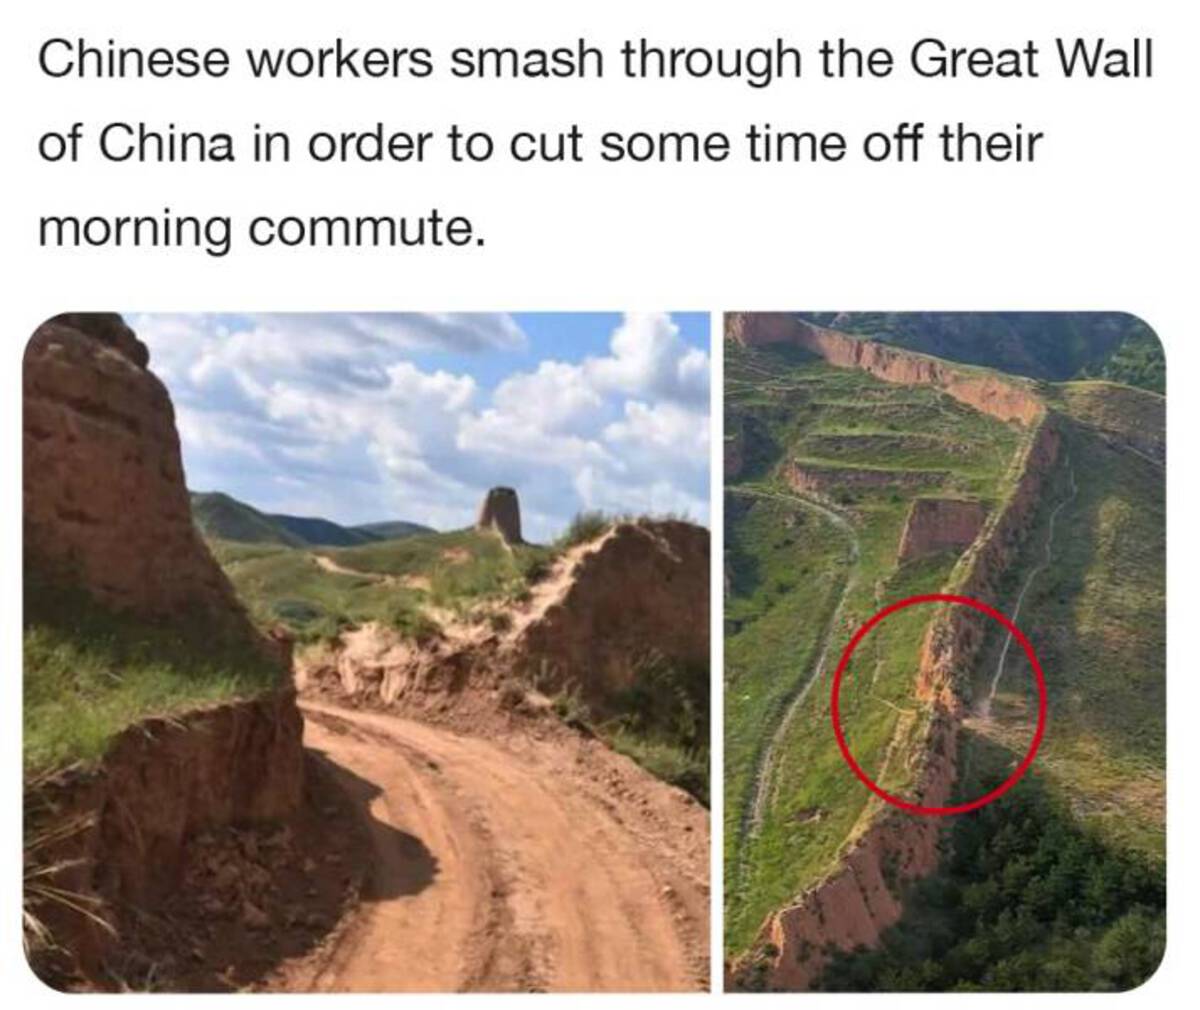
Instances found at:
x=945 y=651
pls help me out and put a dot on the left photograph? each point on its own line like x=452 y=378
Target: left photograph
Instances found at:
x=367 y=652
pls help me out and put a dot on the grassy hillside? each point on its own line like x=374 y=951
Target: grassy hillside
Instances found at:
x=1042 y=345
x=802 y=574
x=1096 y=612
x=391 y=581
x=1060 y=885
x=90 y=673
x=222 y=517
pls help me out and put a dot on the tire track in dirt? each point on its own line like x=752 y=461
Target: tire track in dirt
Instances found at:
x=499 y=870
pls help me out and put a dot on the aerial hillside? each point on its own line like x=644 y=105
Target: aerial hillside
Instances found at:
x=856 y=475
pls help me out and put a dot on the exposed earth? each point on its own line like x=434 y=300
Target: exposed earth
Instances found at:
x=330 y=758
x=859 y=472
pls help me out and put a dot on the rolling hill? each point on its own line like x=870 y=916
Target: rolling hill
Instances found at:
x=223 y=517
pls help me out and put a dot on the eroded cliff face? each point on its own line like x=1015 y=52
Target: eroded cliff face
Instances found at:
x=939 y=524
x=1001 y=397
x=643 y=592
x=106 y=506
x=107 y=512
x=161 y=782
x=821 y=480
x=861 y=898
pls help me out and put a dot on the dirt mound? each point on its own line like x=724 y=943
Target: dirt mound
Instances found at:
x=940 y=524
x=642 y=591
x=106 y=505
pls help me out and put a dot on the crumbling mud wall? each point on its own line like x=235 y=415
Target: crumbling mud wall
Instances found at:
x=998 y=396
x=953 y=640
x=107 y=512
x=637 y=594
x=940 y=524
x=105 y=502
x=861 y=898
x=643 y=592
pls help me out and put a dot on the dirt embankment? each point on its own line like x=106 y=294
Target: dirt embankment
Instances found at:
x=857 y=902
x=639 y=590
x=939 y=524
x=1006 y=399
x=808 y=478
x=126 y=823
x=107 y=512
x=642 y=592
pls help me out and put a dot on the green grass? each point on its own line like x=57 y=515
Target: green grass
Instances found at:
x=583 y=528
x=788 y=567
x=1096 y=618
x=395 y=581
x=287 y=587
x=90 y=673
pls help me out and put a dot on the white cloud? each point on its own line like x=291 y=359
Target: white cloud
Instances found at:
x=342 y=416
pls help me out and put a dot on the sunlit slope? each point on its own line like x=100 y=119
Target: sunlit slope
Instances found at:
x=315 y=592
x=825 y=466
x=1096 y=611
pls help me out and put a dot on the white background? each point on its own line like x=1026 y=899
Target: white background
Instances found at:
x=1105 y=219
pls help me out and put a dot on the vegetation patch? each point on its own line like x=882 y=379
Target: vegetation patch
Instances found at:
x=1026 y=900
x=803 y=573
x=91 y=673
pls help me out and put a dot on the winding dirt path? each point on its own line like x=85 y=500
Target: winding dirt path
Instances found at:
x=508 y=867
x=766 y=766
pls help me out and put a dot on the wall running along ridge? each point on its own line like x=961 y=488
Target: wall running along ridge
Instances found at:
x=107 y=512
x=1006 y=399
x=637 y=593
x=859 y=900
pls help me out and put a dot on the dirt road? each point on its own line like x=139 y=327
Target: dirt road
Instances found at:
x=545 y=864
x=755 y=813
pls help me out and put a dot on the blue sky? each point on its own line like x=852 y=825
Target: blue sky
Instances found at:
x=360 y=417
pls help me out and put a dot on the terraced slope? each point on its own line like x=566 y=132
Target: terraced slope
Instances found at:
x=1061 y=884
x=830 y=463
